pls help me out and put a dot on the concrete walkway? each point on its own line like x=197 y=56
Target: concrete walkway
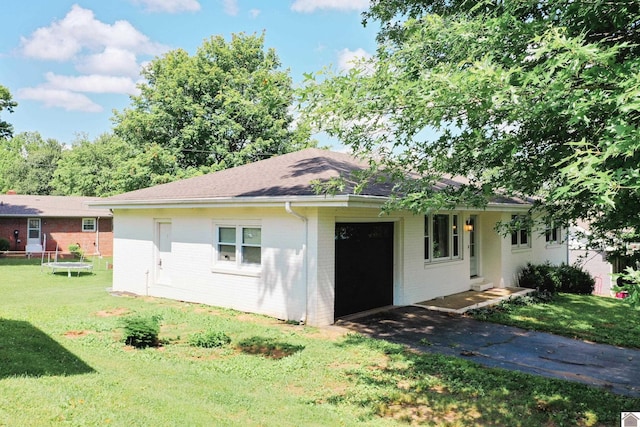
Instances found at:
x=613 y=368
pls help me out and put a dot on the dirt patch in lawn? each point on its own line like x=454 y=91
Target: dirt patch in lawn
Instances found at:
x=77 y=334
x=113 y=312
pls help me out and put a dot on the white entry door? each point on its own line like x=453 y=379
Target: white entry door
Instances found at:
x=34 y=233
x=163 y=252
x=473 y=246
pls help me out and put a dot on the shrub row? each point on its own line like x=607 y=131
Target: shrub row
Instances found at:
x=556 y=278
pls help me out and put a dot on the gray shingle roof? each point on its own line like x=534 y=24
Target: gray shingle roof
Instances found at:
x=17 y=205
x=287 y=175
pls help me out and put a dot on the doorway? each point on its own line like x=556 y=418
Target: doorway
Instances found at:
x=473 y=247
x=364 y=267
x=163 y=252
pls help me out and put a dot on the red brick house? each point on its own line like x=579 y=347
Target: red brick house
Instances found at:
x=31 y=222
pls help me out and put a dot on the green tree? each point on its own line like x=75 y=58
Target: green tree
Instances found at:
x=227 y=105
x=6 y=103
x=91 y=168
x=28 y=163
x=529 y=97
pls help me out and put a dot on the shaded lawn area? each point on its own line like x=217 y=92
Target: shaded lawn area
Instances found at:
x=586 y=317
x=64 y=363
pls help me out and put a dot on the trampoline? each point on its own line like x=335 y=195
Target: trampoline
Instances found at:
x=68 y=266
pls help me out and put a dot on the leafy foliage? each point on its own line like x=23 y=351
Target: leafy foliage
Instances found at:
x=552 y=278
x=6 y=103
x=535 y=98
x=4 y=244
x=209 y=339
x=141 y=331
x=225 y=106
x=28 y=163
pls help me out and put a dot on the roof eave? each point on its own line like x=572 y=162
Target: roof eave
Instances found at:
x=345 y=200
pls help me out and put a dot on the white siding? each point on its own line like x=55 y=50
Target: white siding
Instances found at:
x=297 y=277
x=279 y=290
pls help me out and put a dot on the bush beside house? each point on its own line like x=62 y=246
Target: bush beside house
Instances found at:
x=566 y=278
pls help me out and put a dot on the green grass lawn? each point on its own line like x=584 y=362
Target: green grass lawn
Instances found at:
x=63 y=362
x=586 y=317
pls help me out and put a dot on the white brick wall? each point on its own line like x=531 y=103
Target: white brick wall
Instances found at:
x=297 y=278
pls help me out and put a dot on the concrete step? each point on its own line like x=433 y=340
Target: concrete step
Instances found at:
x=483 y=286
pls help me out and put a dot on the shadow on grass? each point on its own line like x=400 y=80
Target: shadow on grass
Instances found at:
x=27 y=351
x=268 y=347
x=443 y=390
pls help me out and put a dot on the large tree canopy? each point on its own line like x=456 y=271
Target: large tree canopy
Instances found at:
x=227 y=105
x=28 y=162
x=528 y=97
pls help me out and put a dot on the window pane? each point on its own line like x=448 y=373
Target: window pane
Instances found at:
x=426 y=247
x=34 y=223
x=524 y=237
x=456 y=245
x=227 y=235
x=226 y=253
x=440 y=236
x=514 y=238
x=34 y=234
x=251 y=255
x=251 y=236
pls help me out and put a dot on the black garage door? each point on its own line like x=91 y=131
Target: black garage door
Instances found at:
x=364 y=267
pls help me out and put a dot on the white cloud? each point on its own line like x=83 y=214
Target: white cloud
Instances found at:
x=170 y=6
x=230 y=7
x=308 y=6
x=94 y=83
x=59 y=98
x=106 y=55
x=111 y=61
x=79 y=31
x=348 y=59
x=253 y=13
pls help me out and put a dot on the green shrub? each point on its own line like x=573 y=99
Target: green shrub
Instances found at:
x=4 y=244
x=541 y=277
x=574 y=280
x=209 y=339
x=76 y=250
x=551 y=278
x=141 y=331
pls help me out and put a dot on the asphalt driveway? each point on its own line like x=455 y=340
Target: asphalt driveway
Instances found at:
x=613 y=368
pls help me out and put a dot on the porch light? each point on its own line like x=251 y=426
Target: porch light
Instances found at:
x=468 y=225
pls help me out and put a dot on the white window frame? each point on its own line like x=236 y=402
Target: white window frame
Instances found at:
x=553 y=235
x=516 y=236
x=87 y=221
x=236 y=263
x=454 y=237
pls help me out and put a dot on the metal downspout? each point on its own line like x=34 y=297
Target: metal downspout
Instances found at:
x=287 y=207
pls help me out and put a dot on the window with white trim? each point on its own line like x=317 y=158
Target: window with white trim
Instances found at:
x=239 y=245
x=520 y=236
x=88 y=224
x=553 y=235
x=441 y=237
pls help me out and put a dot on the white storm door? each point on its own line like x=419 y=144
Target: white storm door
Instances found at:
x=473 y=246
x=33 y=231
x=163 y=252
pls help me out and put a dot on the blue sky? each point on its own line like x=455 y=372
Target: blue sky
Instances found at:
x=69 y=64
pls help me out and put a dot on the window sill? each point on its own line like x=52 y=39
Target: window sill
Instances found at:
x=517 y=249
x=442 y=262
x=235 y=271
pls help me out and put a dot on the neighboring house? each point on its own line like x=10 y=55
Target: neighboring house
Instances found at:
x=31 y=222
x=257 y=238
x=595 y=261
